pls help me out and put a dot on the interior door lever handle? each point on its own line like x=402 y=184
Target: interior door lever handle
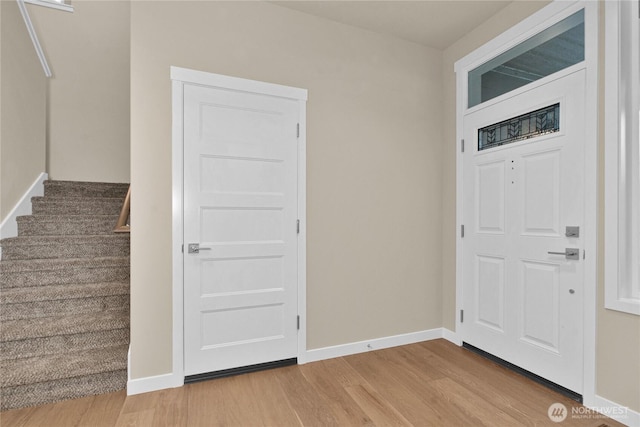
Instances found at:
x=569 y=253
x=194 y=248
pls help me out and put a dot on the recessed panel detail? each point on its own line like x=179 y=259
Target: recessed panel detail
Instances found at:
x=235 y=225
x=240 y=275
x=540 y=309
x=226 y=327
x=490 y=193
x=240 y=132
x=239 y=175
x=541 y=193
x=490 y=291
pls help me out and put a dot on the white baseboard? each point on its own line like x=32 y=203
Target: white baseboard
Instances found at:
x=369 y=345
x=158 y=382
x=451 y=336
x=9 y=226
x=147 y=384
x=620 y=413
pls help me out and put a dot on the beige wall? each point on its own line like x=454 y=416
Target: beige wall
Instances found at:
x=373 y=168
x=88 y=108
x=618 y=334
x=23 y=105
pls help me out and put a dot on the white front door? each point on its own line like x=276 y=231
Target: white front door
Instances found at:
x=240 y=207
x=522 y=303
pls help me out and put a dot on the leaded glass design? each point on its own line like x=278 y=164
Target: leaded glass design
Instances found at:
x=539 y=122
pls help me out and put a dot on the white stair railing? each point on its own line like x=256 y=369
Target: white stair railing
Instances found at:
x=34 y=37
x=55 y=4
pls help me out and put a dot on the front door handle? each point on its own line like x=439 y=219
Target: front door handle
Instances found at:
x=569 y=253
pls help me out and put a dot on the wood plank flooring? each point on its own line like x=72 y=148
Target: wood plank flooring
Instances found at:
x=434 y=383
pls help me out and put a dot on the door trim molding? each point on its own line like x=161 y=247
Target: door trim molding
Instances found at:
x=180 y=77
x=540 y=20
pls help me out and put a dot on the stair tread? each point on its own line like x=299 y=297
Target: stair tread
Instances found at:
x=58 y=366
x=23 y=265
x=43 y=393
x=78 y=188
x=86 y=183
x=68 y=246
x=58 y=292
x=76 y=205
x=22 y=329
x=75 y=199
x=62 y=217
x=65 y=239
x=61 y=343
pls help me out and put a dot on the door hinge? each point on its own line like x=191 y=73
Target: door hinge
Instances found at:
x=461 y=316
x=462 y=230
x=298 y=322
x=298 y=130
x=298 y=226
x=182 y=248
x=462 y=144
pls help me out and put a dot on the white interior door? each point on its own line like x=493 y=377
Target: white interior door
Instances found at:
x=521 y=303
x=240 y=207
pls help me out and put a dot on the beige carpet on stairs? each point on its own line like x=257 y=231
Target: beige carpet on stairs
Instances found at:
x=64 y=297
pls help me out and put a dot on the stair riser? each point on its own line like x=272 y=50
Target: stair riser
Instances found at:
x=35 y=226
x=62 y=343
x=82 y=206
x=70 y=388
x=63 y=307
x=65 y=276
x=86 y=189
x=118 y=248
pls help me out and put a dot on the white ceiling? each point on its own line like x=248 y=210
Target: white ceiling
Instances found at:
x=437 y=24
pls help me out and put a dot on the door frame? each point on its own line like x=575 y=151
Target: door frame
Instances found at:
x=547 y=16
x=180 y=77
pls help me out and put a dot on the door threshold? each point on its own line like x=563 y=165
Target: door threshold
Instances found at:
x=537 y=378
x=239 y=371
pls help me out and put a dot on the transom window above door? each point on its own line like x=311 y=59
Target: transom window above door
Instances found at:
x=556 y=48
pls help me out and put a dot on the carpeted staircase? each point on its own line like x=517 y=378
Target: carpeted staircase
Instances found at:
x=64 y=297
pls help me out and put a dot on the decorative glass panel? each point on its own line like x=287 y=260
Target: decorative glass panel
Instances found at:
x=535 y=123
x=549 y=51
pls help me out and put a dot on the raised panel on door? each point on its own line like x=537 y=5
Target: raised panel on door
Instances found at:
x=540 y=305
x=236 y=275
x=490 y=197
x=541 y=193
x=490 y=292
x=240 y=224
x=224 y=174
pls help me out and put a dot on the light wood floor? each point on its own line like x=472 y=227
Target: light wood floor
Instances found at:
x=429 y=384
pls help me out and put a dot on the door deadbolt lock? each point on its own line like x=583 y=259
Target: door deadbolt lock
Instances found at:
x=572 y=231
